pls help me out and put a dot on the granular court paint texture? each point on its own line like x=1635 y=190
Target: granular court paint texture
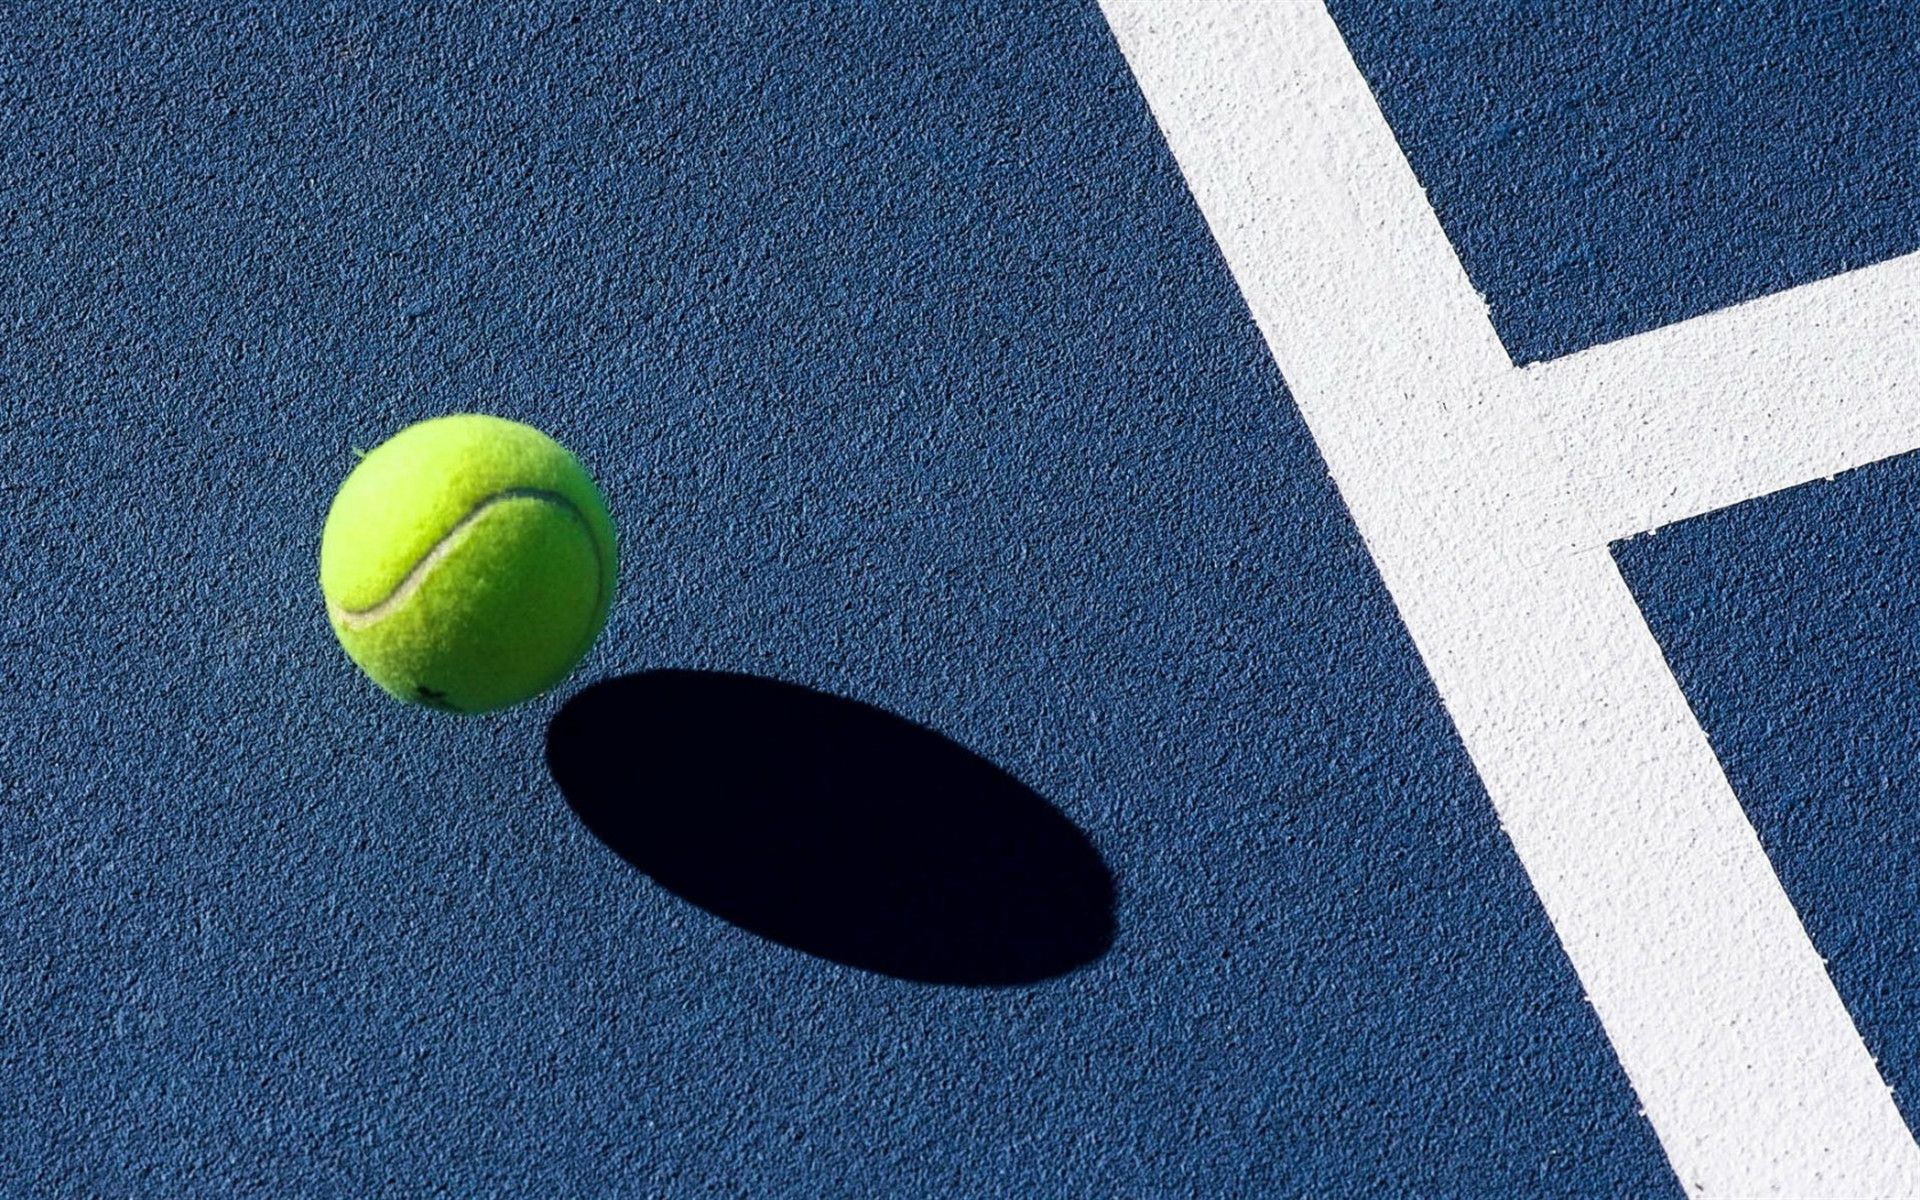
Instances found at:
x=1793 y=625
x=1605 y=169
x=930 y=418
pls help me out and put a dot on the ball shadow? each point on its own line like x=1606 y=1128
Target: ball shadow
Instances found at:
x=832 y=827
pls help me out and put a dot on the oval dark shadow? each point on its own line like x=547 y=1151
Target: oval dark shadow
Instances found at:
x=832 y=827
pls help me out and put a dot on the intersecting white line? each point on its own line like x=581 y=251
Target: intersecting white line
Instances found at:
x=1743 y=402
x=1486 y=495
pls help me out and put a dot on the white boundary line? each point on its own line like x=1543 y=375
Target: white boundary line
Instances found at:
x=1487 y=495
x=1745 y=401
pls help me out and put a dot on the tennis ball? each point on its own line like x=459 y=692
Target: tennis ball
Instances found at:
x=467 y=563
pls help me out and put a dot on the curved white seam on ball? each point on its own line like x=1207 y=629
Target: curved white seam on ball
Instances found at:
x=360 y=618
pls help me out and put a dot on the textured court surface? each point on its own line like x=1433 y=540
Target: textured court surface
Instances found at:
x=915 y=380
x=1806 y=599
x=1605 y=169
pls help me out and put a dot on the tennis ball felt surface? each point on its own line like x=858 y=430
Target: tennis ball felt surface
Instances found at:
x=468 y=563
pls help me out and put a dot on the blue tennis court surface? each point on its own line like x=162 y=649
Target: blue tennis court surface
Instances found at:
x=1605 y=169
x=947 y=461
x=1793 y=624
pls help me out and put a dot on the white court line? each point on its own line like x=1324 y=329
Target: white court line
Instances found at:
x=1742 y=402
x=1743 y=1055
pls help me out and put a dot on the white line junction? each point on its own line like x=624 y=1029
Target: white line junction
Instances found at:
x=1488 y=494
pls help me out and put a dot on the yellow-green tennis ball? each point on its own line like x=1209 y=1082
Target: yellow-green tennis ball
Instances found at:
x=468 y=563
